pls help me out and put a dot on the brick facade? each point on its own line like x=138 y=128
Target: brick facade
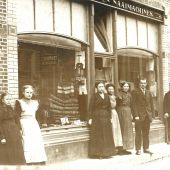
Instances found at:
x=8 y=48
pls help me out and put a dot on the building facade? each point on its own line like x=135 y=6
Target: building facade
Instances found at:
x=62 y=47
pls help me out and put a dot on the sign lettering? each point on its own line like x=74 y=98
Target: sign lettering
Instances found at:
x=134 y=8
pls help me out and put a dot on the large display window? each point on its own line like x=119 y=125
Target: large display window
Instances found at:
x=59 y=78
x=132 y=65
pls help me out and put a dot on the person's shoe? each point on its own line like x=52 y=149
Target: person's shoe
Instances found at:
x=168 y=143
x=127 y=152
x=124 y=152
x=138 y=152
x=148 y=151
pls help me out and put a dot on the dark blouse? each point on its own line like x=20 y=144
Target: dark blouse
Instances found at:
x=7 y=114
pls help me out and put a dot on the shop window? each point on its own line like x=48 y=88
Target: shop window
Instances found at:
x=104 y=69
x=130 y=68
x=59 y=78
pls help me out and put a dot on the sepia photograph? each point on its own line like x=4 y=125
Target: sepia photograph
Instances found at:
x=84 y=84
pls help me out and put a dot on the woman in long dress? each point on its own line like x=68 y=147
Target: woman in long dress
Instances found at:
x=125 y=117
x=27 y=109
x=117 y=135
x=11 y=150
x=101 y=144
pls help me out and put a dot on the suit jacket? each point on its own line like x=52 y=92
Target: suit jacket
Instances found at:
x=166 y=103
x=142 y=104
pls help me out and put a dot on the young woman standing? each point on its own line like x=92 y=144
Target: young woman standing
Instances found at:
x=27 y=108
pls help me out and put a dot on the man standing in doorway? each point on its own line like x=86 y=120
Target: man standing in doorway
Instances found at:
x=142 y=110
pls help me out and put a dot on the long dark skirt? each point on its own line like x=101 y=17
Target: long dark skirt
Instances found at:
x=11 y=153
x=101 y=142
x=125 y=118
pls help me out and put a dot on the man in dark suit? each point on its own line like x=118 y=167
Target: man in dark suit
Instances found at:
x=142 y=110
x=166 y=108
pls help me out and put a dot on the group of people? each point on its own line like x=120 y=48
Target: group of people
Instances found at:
x=20 y=135
x=111 y=117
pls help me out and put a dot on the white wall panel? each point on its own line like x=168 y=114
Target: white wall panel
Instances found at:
x=153 y=37
x=121 y=31
x=62 y=17
x=79 y=21
x=131 y=31
x=25 y=15
x=142 y=34
x=44 y=15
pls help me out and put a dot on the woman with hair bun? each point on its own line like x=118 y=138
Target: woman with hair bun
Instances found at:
x=11 y=150
x=101 y=143
x=27 y=109
x=117 y=135
x=124 y=100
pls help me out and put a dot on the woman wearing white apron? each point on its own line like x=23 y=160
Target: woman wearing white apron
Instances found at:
x=117 y=135
x=27 y=108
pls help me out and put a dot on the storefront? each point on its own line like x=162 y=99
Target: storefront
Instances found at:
x=130 y=33
x=62 y=54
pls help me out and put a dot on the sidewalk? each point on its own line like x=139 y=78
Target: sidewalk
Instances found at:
x=128 y=162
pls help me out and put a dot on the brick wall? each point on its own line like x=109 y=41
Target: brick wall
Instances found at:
x=3 y=46
x=8 y=48
x=12 y=50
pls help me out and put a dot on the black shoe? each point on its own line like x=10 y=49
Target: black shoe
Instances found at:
x=124 y=152
x=148 y=151
x=138 y=152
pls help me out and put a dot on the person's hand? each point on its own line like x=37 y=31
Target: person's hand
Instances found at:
x=90 y=121
x=137 y=118
x=3 y=141
x=166 y=115
x=21 y=132
x=44 y=125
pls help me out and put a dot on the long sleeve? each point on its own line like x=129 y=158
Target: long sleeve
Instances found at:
x=134 y=104
x=42 y=114
x=17 y=111
x=2 y=136
x=152 y=105
x=91 y=107
x=166 y=104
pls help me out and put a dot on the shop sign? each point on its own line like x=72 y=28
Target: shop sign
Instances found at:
x=48 y=60
x=136 y=8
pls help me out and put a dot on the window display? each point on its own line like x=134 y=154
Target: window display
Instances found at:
x=61 y=86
